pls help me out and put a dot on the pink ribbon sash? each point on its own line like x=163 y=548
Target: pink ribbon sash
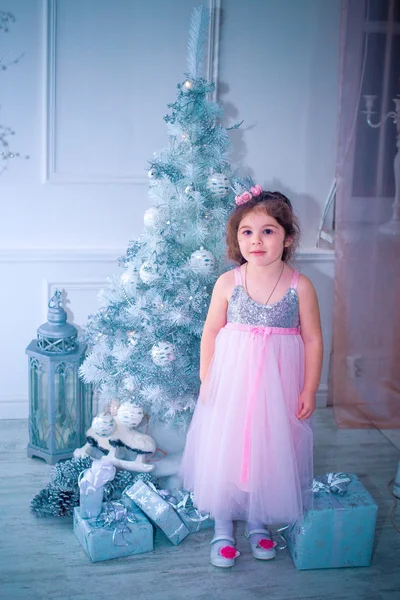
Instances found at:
x=265 y=332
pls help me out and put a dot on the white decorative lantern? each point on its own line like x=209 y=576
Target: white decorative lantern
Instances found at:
x=130 y=415
x=218 y=185
x=163 y=353
x=151 y=216
x=202 y=262
x=103 y=425
x=148 y=273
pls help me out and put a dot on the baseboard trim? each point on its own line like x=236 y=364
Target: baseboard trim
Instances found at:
x=322 y=395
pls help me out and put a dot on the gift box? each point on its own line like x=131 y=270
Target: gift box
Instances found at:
x=158 y=510
x=194 y=520
x=338 y=531
x=117 y=532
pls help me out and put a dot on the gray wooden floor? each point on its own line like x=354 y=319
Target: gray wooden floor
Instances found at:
x=41 y=559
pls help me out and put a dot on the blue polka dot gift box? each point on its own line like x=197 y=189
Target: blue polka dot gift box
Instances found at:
x=118 y=531
x=339 y=531
x=158 y=510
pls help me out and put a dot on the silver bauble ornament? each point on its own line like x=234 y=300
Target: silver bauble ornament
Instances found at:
x=148 y=273
x=151 y=217
x=130 y=415
x=152 y=173
x=202 y=262
x=163 y=353
x=218 y=185
x=189 y=190
x=103 y=425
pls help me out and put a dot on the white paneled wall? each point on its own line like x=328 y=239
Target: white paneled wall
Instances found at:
x=87 y=101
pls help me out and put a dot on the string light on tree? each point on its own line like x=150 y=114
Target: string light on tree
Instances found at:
x=133 y=338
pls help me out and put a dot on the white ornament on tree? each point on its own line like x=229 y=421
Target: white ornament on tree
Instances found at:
x=218 y=185
x=163 y=353
x=148 y=273
x=130 y=414
x=129 y=279
x=129 y=383
x=151 y=216
x=202 y=262
x=152 y=173
x=103 y=425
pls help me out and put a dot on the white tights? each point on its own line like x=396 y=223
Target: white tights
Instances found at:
x=224 y=528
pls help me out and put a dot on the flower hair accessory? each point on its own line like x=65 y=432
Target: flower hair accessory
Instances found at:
x=248 y=195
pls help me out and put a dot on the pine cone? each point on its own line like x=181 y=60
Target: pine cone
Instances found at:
x=55 y=501
x=66 y=473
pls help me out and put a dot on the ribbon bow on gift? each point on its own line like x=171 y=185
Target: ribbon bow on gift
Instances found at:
x=100 y=473
x=182 y=502
x=335 y=483
x=115 y=516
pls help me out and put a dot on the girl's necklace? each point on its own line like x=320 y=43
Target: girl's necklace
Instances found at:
x=274 y=288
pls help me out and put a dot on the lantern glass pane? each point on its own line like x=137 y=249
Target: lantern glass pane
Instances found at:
x=87 y=407
x=66 y=415
x=39 y=415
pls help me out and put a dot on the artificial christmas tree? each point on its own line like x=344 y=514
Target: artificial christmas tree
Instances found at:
x=145 y=339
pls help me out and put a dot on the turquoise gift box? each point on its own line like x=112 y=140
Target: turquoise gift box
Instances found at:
x=338 y=532
x=117 y=532
x=159 y=511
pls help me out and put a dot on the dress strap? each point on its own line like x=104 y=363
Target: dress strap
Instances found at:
x=295 y=280
x=238 y=276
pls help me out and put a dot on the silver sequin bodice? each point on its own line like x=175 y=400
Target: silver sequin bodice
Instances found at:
x=284 y=313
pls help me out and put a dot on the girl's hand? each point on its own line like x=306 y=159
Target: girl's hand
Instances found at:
x=307 y=402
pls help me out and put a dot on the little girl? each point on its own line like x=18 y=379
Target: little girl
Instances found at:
x=248 y=453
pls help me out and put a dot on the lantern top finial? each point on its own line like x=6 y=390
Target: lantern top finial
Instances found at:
x=56 y=313
x=57 y=336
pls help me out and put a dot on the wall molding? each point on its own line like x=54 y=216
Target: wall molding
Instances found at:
x=17 y=407
x=111 y=255
x=51 y=175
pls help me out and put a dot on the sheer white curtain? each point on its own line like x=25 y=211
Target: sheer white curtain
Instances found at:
x=365 y=371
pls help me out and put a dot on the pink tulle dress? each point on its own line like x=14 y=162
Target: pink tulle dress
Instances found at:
x=247 y=455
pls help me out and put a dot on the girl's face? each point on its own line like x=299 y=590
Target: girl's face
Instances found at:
x=261 y=239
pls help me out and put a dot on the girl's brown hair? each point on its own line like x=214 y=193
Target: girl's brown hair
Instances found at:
x=276 y=205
